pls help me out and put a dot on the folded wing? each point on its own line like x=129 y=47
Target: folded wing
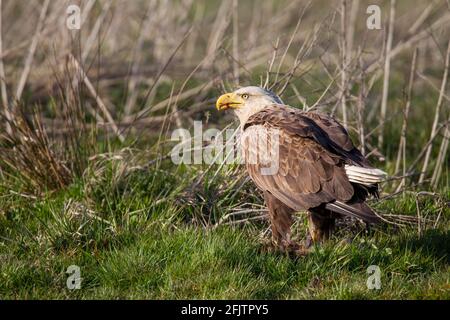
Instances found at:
x=310 y=167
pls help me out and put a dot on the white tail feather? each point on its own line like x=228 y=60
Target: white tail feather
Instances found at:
x=365 y=176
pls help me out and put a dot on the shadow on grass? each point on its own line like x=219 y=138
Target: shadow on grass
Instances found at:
x=433 y=242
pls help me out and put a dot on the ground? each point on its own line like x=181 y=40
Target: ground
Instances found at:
x=142 y=250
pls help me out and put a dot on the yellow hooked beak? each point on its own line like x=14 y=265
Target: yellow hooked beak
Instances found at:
x=229 y=100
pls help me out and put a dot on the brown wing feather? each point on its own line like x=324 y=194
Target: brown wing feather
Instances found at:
x=334 y=129
x=313 y=150
x=303 y=179
x=325 y=130
x=337 y=133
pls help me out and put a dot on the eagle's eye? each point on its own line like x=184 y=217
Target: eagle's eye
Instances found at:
x=245 y=96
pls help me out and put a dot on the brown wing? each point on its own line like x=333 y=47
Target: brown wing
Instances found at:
x=337 y=133
x=306 y=175
x=311 y=166
x=323 y=129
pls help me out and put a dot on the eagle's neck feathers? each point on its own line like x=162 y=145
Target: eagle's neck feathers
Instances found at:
x=245 y=113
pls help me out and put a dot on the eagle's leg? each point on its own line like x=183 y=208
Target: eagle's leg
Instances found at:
x=321 y=225
x=281 y=222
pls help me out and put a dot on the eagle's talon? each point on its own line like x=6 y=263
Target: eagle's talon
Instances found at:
x=303 y=251
x=308 y=241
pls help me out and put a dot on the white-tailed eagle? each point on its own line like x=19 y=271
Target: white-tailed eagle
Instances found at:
x=317 y=167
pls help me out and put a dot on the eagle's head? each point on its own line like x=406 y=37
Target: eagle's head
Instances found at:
x=247 y=101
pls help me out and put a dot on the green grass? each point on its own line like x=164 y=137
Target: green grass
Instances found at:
x=149 y=234
x=136 y=247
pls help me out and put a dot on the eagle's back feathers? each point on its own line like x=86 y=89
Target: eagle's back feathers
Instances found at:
x=313 y=152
